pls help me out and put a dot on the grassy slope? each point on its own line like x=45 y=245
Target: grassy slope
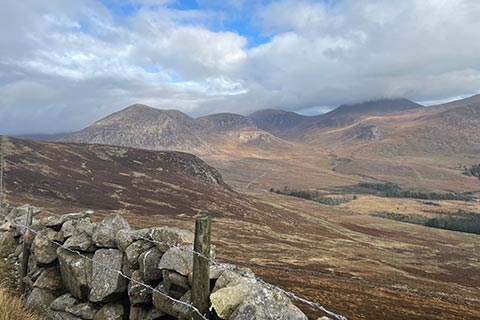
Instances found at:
x=284 y=231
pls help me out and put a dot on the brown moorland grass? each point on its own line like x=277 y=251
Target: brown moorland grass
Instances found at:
x=13 y=308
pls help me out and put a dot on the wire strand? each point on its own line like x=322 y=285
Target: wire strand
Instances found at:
x=234 y=269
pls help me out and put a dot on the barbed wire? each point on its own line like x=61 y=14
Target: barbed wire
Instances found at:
x=120 y=273
x=228 y=267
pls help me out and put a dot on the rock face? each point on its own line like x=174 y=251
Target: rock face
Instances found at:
x=167 y=236
x=178 y=259
x=104 y=235
x=76 y=272
x=147 y=262
x=105 y=281
x=44 y=251
x=110 y=312
x=135 y=279
x=267 y=304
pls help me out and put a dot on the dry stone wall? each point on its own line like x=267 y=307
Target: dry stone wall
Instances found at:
x=79 y=269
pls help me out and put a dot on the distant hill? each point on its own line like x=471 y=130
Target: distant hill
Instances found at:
x=277 y=121
x=140 y=126
x=144 y=127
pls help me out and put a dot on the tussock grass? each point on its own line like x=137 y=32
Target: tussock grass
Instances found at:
x=13 y=307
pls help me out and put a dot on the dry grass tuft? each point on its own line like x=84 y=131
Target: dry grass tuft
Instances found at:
x=13 y=308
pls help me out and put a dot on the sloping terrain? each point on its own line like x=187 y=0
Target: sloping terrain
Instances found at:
x=343 y=259
x=140 y=126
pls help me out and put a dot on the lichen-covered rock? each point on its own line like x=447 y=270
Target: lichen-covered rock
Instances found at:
x=168 y=236
x=104 y=235
x=226 y=300
x=61 y=315
x=178 y=259
x=61 y=303
x=105 y=281
x=51 y=279
x=148 y=264
x=43 y=250
x=133 y=252
x=230 y=278
x=138 y=294
x=76 y=272
x=125 y=237
x=111 y=311
x=80 y=241
x=85 y=226
x=39 y=299
x=267 y=304
x=83 y=310
x=68 y=229
x=56 y=222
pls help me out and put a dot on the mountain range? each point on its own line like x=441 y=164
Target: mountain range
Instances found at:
x=350 y=126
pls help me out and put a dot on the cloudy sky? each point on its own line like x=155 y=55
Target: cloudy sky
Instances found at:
x=66 y=63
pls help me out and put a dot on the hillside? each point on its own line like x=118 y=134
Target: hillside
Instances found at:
x=352 y=258
x=112 y=178
x=140 y=126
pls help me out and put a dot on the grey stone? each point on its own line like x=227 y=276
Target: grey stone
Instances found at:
x=229 y=278
x=39 y=299
x=68 y=229
x=106 y=282
x=85 y=226
x=175 y=284
x=111 y=311
x=61 y=315
x=135 y=250
x=140 y=313
x=61 y=303
x=171 y=237
x=178 y=259
x=43 y=250
x=161 y=302
x=56 y=222
x=125 y=237
x=76 y=272
x=226 y=300
x=138 y=293
x=80 y=241
x=104 y=235
x=267 y=304
x=51 y=279
x=148 y=264
x=83 y=310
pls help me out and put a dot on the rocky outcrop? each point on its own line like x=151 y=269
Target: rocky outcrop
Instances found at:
x=97 y=271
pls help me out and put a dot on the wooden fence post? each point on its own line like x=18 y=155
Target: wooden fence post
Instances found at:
x=201 y=266
x=26 y=250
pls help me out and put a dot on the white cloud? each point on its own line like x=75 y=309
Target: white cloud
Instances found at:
x=65 y=63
